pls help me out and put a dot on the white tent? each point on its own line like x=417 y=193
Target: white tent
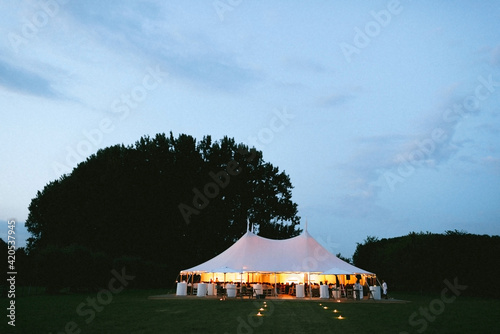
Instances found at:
x=300 y=254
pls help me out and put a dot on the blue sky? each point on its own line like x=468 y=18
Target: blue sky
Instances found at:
x=385 y=114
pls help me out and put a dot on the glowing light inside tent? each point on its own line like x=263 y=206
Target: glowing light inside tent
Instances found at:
x=259 y=314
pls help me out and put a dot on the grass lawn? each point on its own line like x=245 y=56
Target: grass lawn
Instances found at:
x=133 y=312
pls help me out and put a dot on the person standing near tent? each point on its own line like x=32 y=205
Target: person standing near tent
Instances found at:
x=357 y=289
x=384 y=289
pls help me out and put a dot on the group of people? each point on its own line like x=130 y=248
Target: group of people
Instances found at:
x=358 y=288
x=289 y=288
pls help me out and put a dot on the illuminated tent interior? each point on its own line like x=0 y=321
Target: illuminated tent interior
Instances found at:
x=255 y=259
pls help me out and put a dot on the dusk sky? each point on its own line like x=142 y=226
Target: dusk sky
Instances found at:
x=385 y=114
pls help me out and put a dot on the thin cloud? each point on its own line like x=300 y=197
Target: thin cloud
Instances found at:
x=144 y=34
x=334 y=100
x=435 y=144
x=492 y=163
x=339 y=97
x=490 y=128
x=495 y=56
x=359 y=191
x=25 y=81
x=211 y=72
x=307 y=65
x=432 y=144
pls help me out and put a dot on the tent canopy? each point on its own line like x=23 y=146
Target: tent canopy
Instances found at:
x=253 y=253
x=338 y=271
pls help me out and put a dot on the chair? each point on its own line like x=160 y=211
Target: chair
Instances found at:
x=220 y=291
x=335 y=293
x=342 y=291
x=247 y=291
x=242 y=291
x=349 y=293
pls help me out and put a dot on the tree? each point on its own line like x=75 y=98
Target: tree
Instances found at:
x=423 y=261
x=343 y=258
x=171 y=201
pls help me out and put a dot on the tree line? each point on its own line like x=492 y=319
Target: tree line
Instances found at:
x=422 y=261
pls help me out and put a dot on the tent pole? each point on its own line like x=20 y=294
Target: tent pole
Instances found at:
x=369 y=290
x=275 y=288
x=192 y=283
x=309 y=285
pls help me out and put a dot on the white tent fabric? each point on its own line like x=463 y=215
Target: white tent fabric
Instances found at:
x=338 y=271
x=253 y=253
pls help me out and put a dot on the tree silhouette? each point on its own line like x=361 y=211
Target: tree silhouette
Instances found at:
x=422 y=261
x=172 y=201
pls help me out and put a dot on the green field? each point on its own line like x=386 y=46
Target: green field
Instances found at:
x=133 y=312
